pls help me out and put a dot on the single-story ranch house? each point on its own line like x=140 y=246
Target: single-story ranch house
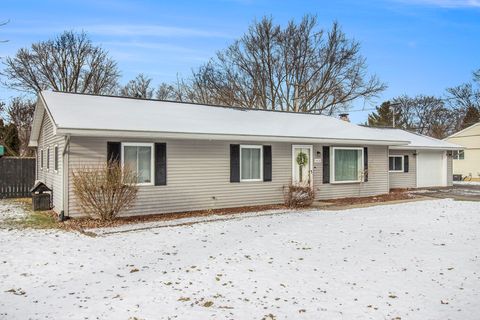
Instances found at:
x=195 y=157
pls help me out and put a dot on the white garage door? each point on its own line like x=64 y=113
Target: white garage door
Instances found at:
x=431 y=169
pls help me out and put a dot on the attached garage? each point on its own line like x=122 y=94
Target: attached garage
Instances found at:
x=425 y=162
x=431 y=169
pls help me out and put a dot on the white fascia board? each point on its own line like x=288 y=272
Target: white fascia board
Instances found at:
x=205 y=136
x=426 y=148
x=36 y=123
x=40 y=109
x=47 y=110
x=462 y=131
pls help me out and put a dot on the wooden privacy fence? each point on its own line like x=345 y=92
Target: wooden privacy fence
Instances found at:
x=17 y=176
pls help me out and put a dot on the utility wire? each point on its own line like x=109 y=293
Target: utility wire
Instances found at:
x=441 y=99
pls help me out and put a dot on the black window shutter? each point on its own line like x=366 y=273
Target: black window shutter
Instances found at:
x=267 y=163
x=365 y=164
x=405 y=163
x=113 y=151
x=234 y=163
x=160 y=164
x=326 y=165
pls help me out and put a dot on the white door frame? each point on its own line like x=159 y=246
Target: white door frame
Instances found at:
x=444 y=168
x=303 y=146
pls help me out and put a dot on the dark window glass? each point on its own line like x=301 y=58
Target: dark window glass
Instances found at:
x=395 y=163
x=55 y=151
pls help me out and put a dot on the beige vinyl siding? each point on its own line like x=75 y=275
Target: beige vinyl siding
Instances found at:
x=198 y=176
x=470 y=165
x=404 y=179
x=53 y=179
x=377 y=177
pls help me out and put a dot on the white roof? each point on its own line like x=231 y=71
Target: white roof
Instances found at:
x=417 y=141
x=92 y=115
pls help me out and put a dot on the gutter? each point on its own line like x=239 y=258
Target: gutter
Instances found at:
x=219 y=136
x=65 y=165
x=450 y=148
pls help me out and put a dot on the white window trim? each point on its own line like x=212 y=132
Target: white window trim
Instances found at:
x=41 y=159
x=55 y=158
x=152 y=164
x=332 y=166
x=251 y=146
x=457 y=157
x=396 y=156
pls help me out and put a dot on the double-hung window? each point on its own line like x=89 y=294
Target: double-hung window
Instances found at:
x=139 y=158
x=395 y=163
x=458 y=155
x=347 y=164
x=251 y=163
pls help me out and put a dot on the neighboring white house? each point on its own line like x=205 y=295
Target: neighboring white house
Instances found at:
x=467 y=162
x=193 y=157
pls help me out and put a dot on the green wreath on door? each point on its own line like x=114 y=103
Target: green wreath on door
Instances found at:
x=302 y=160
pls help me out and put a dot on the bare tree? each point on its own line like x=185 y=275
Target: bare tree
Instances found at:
x=69 y=63
x=140 y=87
x=476 y=76
x=465 y=99
x=426 y=115
x=296 y=68
x=20 y=114
x=166 y=91
x=182 y=90
x=464 y=96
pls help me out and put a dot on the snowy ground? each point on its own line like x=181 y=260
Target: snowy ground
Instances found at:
x=11 y=211
x=458 y=192
x=466 y=183
x=418 y=260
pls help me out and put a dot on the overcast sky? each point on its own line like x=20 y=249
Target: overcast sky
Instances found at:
x=415 y=46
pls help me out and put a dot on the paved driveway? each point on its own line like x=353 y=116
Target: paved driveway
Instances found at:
x=458 y=192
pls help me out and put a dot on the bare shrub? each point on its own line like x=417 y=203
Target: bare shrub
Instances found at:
x=104 y=190
x=301 y=195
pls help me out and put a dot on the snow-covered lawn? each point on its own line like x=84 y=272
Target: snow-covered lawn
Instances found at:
x=418 y=260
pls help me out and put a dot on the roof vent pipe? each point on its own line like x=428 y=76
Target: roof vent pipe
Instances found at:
x=344 y=117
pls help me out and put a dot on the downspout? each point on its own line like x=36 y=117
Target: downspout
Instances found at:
x=64 y=213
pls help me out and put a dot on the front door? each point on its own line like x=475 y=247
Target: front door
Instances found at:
x=302 y=173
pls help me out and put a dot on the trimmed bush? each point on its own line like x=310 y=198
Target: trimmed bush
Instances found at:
x=298 y=195
x=104 y=190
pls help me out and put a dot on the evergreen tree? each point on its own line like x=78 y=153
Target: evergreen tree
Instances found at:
x=383 y=116
x=9 y=138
